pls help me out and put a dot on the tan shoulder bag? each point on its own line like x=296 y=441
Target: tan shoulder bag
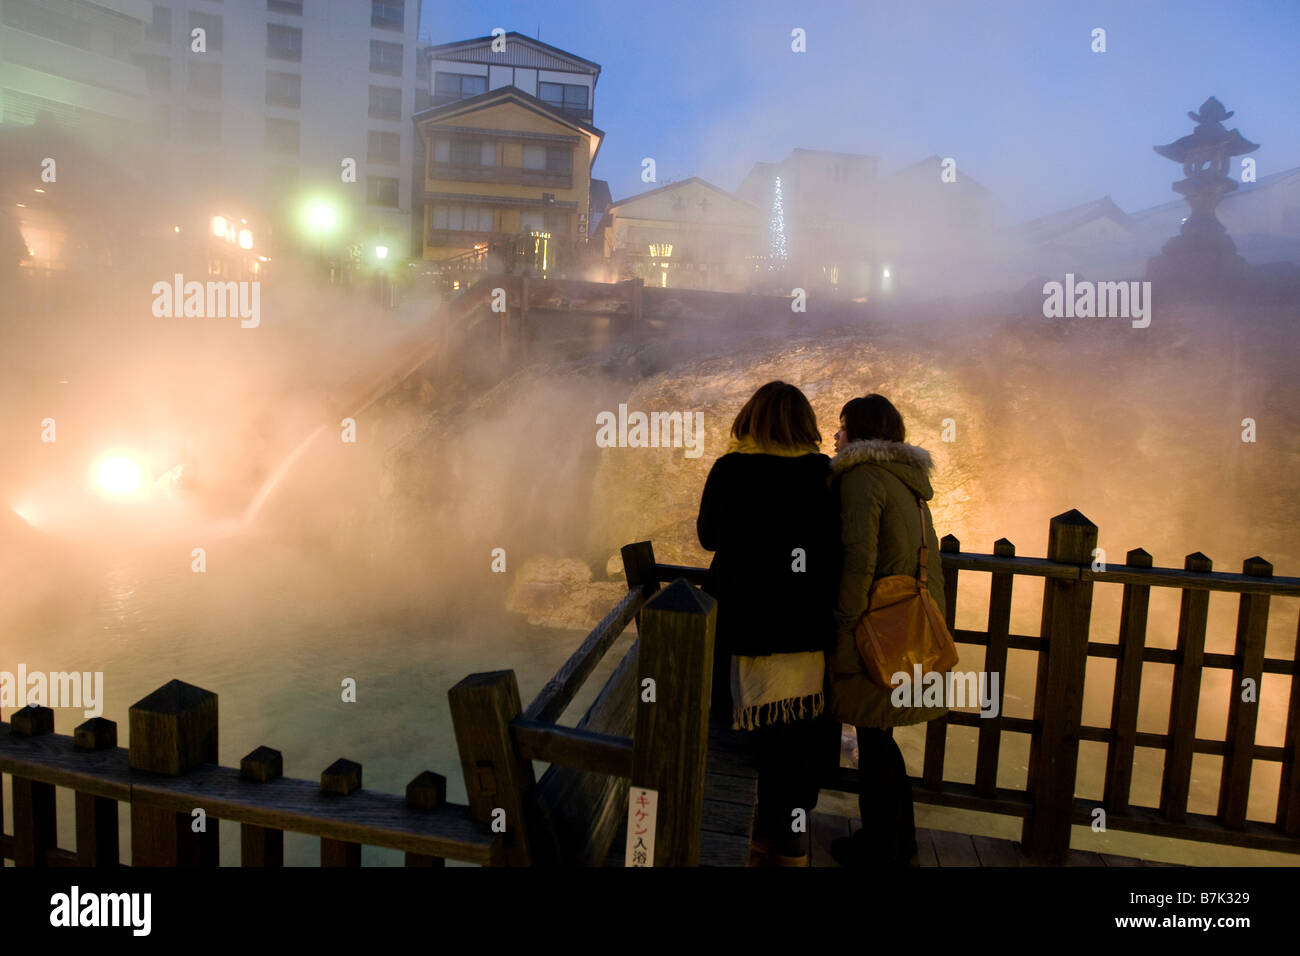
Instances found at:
x=903 y=625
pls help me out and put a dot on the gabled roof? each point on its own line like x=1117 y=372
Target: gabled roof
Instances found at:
x=1046 y=228
x=1264 y=182
x=503 y=94
x=677 y=185
x=520 y=51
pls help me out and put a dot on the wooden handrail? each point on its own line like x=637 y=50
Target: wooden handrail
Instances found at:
x=573 y=747
x=369 y=817
x=559 y=691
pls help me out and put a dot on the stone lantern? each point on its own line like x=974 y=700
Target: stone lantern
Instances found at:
x=1202 y=255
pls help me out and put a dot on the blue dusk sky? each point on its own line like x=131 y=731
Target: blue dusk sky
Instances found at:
x=1010 y=89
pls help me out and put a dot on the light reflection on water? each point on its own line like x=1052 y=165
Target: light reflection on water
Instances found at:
x=274 y=636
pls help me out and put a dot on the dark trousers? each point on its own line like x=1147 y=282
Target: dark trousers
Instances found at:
x=792 y=759
x=888 y=834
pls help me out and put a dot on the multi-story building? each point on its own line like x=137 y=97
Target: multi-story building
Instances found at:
x=509 y=143
x=300 y=108
x=72 y=60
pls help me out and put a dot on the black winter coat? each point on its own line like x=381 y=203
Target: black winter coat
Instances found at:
x=754 y=512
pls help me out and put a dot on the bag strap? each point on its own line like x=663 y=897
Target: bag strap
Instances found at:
x=922 y=573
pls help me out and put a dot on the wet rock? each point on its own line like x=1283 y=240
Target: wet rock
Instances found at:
x=558 y=592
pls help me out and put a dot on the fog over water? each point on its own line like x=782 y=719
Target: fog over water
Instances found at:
x=325 y=559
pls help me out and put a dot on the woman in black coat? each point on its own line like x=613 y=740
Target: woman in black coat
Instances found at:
x=768 y=514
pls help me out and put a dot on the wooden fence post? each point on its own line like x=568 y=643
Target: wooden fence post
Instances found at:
x=995 y=662
x=35 y=824
x=427 y=791
x=340 y=778
x=1058 y=694
x=173 y=730
x=261 y=846
x=1247 y=668
x=1185 y=696
x=1288 y=791
x=936 y=731
x=670 y=743
x=1128 y=688
x=97 y=836
x=496 y=776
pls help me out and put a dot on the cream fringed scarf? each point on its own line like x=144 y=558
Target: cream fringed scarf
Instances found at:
x=775 y=688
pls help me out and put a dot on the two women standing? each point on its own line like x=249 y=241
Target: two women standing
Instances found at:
x=798 y=539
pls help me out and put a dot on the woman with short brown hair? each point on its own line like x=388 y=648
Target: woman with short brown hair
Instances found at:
x=768 y=514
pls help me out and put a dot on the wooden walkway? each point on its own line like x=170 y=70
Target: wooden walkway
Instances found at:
x=730 y=798
x=946 y=848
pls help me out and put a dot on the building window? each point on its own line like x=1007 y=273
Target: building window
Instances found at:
x=51 y=23
x=160 y=27
x=388 y=14
x=466 y=152
x=204 y=79
x=203 y=127
x=283 y=43
x=383 y=147
x=282 y=136
x=551 y=159
x=382 y=190
x=563 y=96
x=283 y=89
x=211 y=26
x=385 y=57
x=458 y=84
x=385 y=102
x=464 y=218
x=285 y=6
x=157 y=70
x=422 y=68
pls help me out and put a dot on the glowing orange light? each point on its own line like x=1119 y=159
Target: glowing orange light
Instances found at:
x=117 y=475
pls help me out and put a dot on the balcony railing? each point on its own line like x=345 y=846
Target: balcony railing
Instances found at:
x=505 y=175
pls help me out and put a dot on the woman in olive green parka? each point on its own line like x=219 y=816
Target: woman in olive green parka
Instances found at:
x=879 y=479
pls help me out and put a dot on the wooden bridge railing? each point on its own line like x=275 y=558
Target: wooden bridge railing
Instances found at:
x=1049 y=804
x=170 y=773
x=648 y=726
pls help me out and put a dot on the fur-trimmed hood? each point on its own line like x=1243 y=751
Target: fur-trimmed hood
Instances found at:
x=911 y=464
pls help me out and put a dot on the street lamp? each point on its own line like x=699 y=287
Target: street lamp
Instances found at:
x=321 y=219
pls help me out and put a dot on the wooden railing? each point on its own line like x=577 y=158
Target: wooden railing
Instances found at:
x=1048 y=803
x=170 y=773
x=648 y=726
